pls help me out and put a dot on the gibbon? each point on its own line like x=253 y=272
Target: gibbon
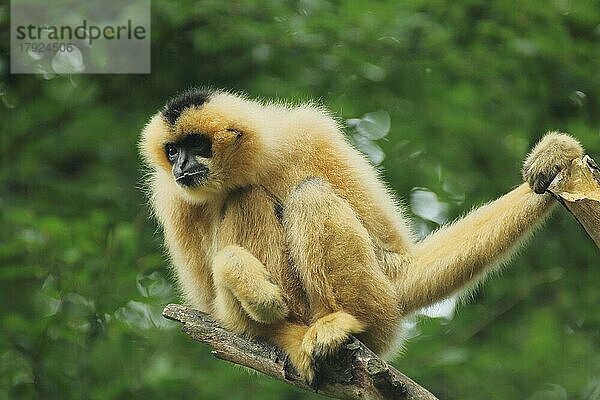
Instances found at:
x=282 y=230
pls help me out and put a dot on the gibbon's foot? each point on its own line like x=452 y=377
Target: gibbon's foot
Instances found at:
x=551 y=155
x=322 y=339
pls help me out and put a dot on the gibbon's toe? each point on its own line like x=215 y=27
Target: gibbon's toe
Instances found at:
x=303 y=363
x=551 y=155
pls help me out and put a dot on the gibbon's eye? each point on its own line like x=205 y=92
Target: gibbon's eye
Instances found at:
x=171 y=152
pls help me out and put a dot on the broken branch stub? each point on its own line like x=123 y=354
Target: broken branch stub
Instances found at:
x=578 y=189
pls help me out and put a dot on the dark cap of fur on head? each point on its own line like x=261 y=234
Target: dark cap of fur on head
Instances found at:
x=189 y=98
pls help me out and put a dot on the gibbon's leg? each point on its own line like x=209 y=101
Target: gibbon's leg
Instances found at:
x=249 y=230
x=334 y=258
x=459 y=255
x=241 y=277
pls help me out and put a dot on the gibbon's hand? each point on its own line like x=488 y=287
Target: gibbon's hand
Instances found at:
x=551 y=155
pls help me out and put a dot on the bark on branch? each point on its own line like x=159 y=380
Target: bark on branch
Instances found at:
x=578 y=189
x=355 y=373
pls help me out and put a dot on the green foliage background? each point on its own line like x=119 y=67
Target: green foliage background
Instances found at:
x=469 y=85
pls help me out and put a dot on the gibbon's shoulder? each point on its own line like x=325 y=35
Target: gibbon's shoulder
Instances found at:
x=307 y=119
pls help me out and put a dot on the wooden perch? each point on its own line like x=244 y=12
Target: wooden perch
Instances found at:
x=578 y=189
x=354 y=373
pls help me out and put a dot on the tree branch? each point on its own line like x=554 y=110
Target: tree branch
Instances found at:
x=578 y=189
x=354 y=373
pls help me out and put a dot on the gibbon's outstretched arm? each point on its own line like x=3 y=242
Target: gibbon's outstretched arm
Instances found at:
x=460 y=255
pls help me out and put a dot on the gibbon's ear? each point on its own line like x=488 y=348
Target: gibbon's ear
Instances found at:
x=226 y=138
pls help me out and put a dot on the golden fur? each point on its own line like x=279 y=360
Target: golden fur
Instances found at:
x=340 y=258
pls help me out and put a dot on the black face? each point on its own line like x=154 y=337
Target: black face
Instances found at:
x=183 y=156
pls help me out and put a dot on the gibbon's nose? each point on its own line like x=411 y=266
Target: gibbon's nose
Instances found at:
x=178 y=167
x=186 y=162
x=187 y=171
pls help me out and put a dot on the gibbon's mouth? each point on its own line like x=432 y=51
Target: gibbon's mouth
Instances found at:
x=191 y=179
